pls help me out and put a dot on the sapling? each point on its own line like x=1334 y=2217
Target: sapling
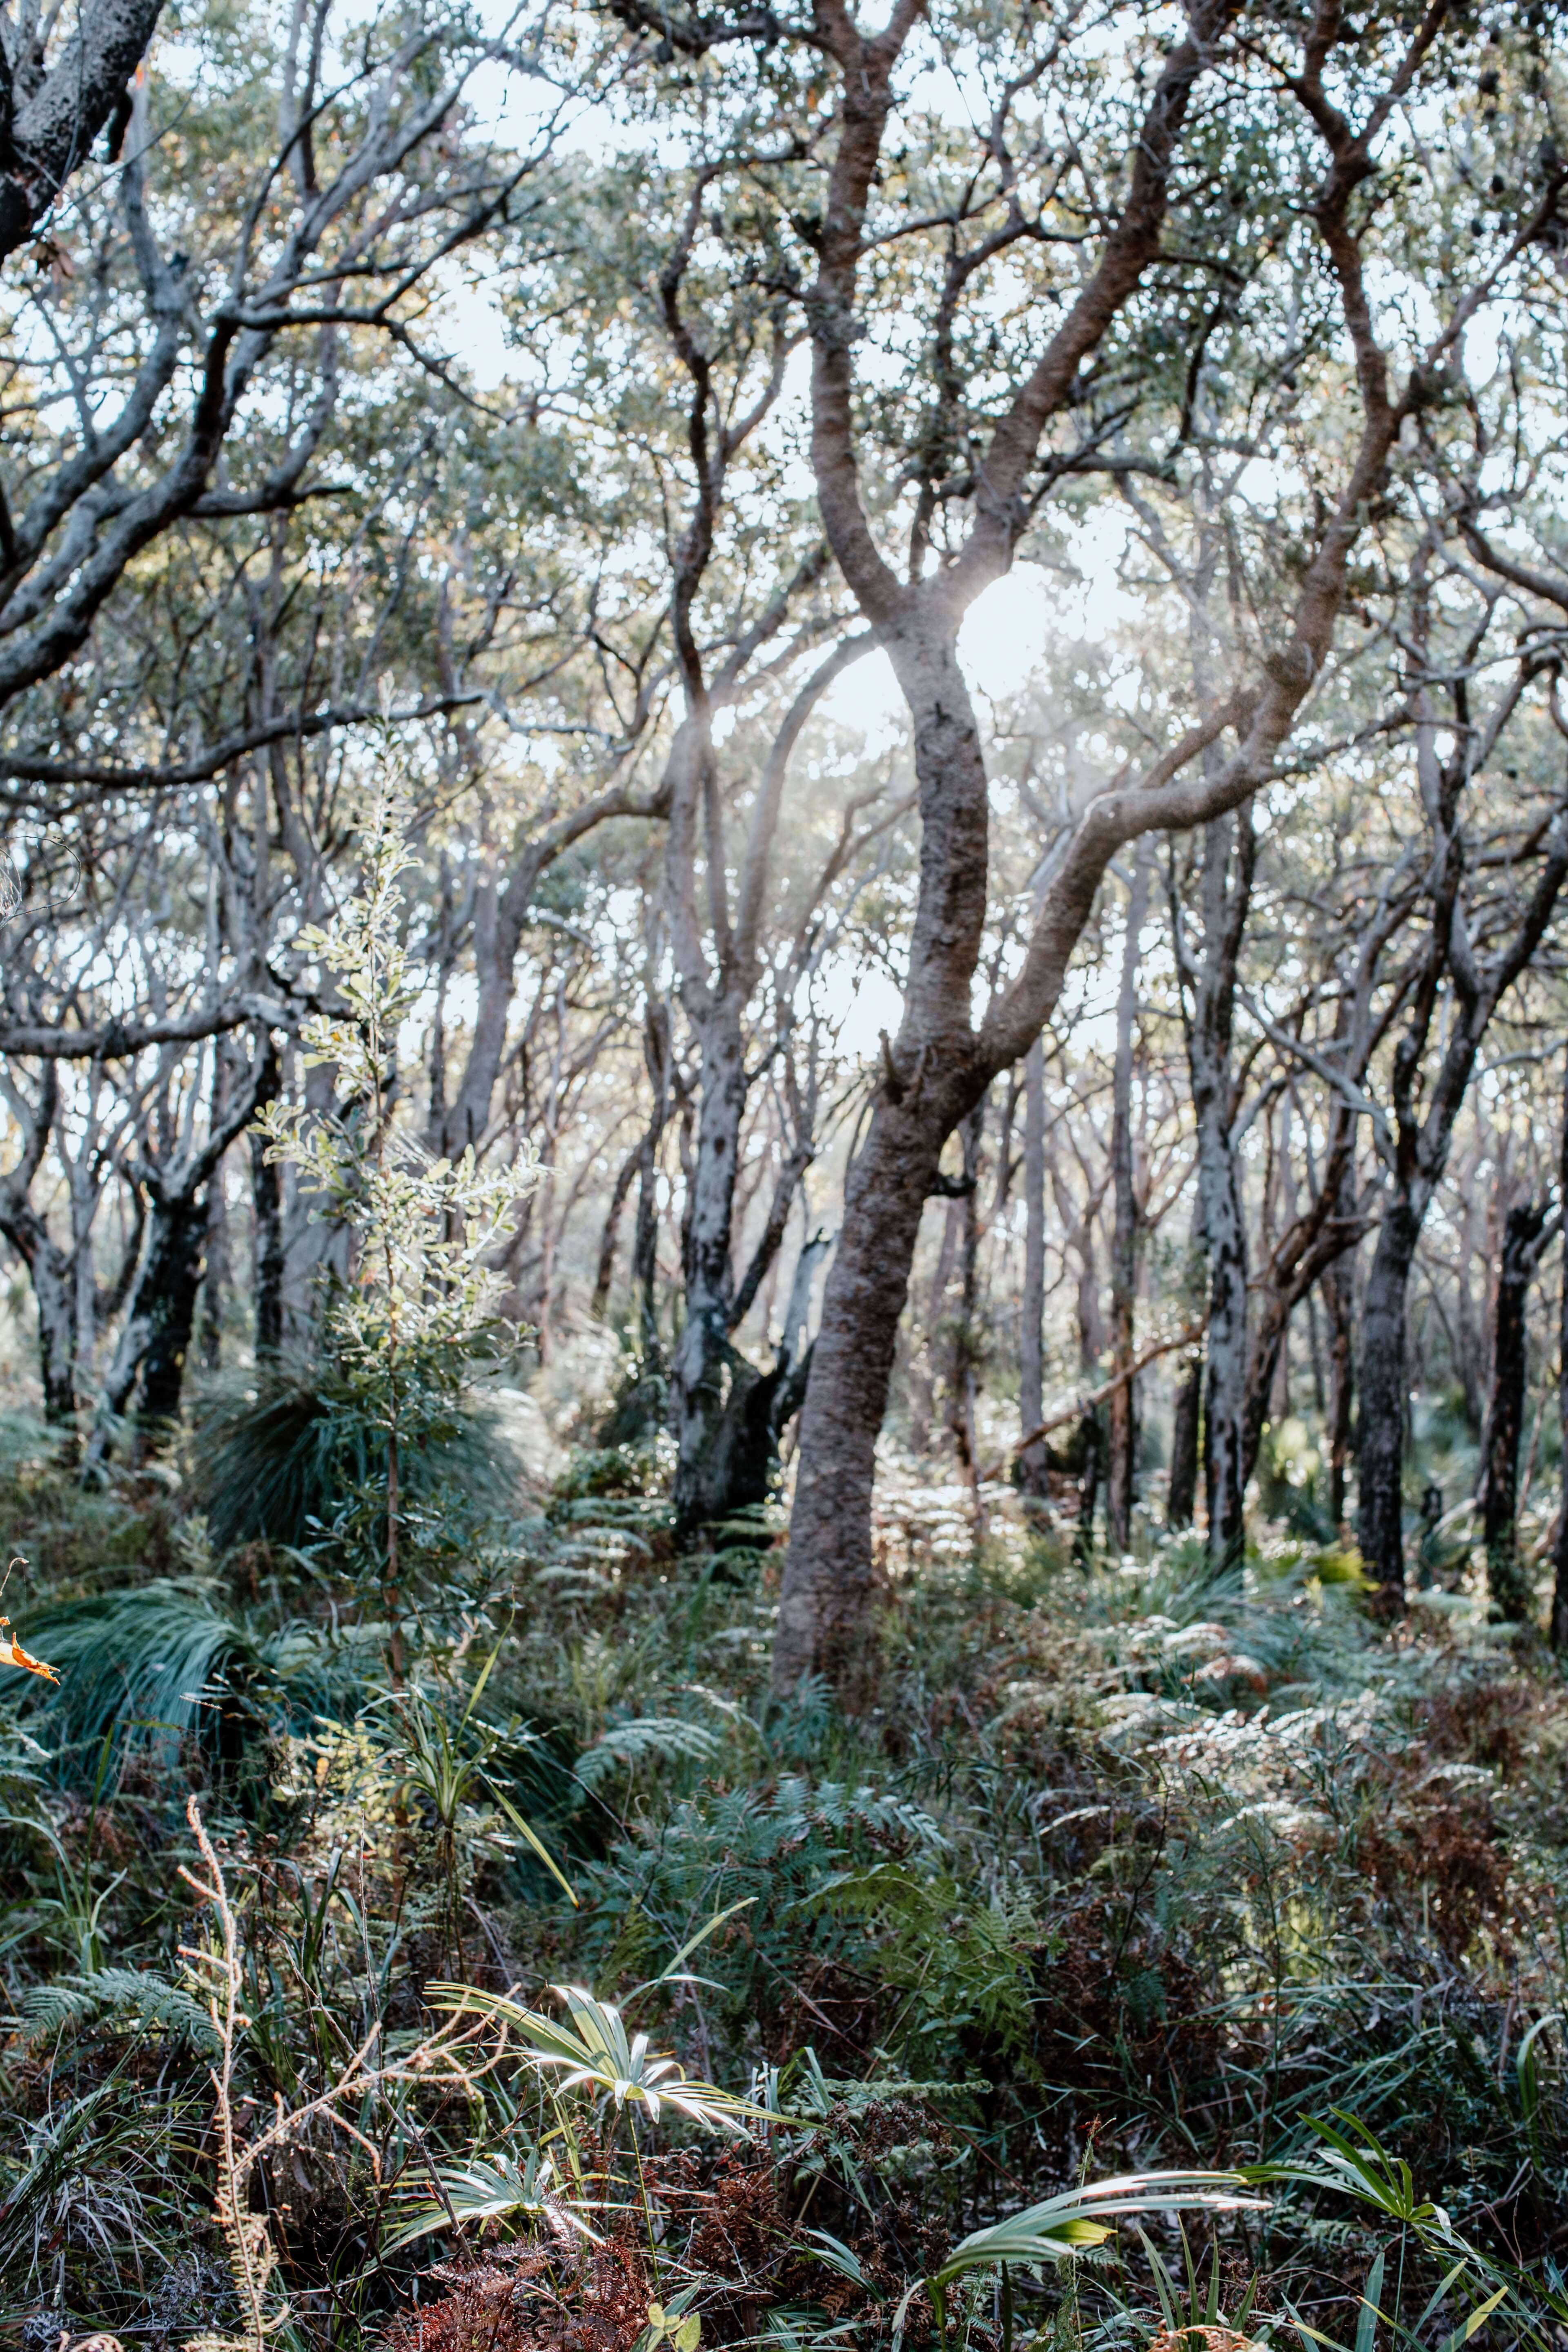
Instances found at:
x=419 y=1310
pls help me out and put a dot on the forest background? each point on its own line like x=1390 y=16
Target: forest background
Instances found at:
x=785 y=1135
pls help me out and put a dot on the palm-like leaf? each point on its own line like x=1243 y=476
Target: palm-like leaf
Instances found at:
x=483 y=2188
x=596 y=2052
x=1061 y=2226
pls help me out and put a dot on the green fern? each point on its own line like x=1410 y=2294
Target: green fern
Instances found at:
x=129 y=2000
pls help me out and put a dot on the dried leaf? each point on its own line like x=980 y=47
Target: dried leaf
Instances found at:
x=12 y=1654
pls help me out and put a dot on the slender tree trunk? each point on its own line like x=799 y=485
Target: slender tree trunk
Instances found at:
x=1339 y=1289
x=1383 y=1399
x=702 y=1362
x=1505 y=1417
x=1031 y=1364
x=267 y=1209
x=54 y=1298
x=216 y=1281
x=1183 y=1492
x=645 y=1237
x=1123 y=1433
x=605 y=1272
x=1225 y=907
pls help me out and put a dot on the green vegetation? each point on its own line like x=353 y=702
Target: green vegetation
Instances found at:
x=1125 y=1872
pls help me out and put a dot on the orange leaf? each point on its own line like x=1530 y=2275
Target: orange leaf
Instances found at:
x=12 y=1654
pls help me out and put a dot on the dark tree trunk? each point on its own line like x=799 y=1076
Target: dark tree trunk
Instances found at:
x=826 y=1604
x=1338 y=1287
x=645 y=1236
x=50 y=120
x=1560 y=1581
x=167 y=1295
x=266 y=1206
x=1032 y=1465
x=1182 y=1492
x=1122 y=1430
x=1505 y=1418
x=964 y=1355
x=1380 y=1452
x=1225 y=904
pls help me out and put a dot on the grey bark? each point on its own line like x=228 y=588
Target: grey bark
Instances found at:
x=50 y=1268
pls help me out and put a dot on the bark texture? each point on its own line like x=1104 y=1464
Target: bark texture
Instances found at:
x=50 y=117
x=1505 y=1419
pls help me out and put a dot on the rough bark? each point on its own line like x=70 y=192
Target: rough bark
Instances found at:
x=50 y=118
x=1523 y=1234
x=48 y=1266
x=1380 y=1454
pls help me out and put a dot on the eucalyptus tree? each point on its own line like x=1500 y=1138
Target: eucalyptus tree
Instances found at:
x=1304 y=114
x=147 y=369
x=1494 y=868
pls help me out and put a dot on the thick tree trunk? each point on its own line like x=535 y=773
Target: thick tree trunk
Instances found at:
x=167 y=1295
x=1181 y=1493
x=1122 y=1432
x=825 y=1604
x=1032 y=1465
x=1380 y=1462
x=1505 y=1418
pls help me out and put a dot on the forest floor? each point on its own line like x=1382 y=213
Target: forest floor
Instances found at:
x=1125 y=1870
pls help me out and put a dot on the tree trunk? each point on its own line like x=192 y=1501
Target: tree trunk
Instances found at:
x=267 y=1210
x=1224 y=1231
x=1505 y=1417
x=704 y=1362
x=1032 y=1466
x=605 y=1273
x=171 y=1277
x=50 y=1270
x=825 y=1604
x=1123 y=1433
x=1383 y=1398
x=1183 y=1491
x=1339 y=1288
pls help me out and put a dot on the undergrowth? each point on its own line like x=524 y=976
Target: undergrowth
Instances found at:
x=1125 y=1872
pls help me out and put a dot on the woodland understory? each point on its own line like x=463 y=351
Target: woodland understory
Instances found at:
x=784 y=1158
